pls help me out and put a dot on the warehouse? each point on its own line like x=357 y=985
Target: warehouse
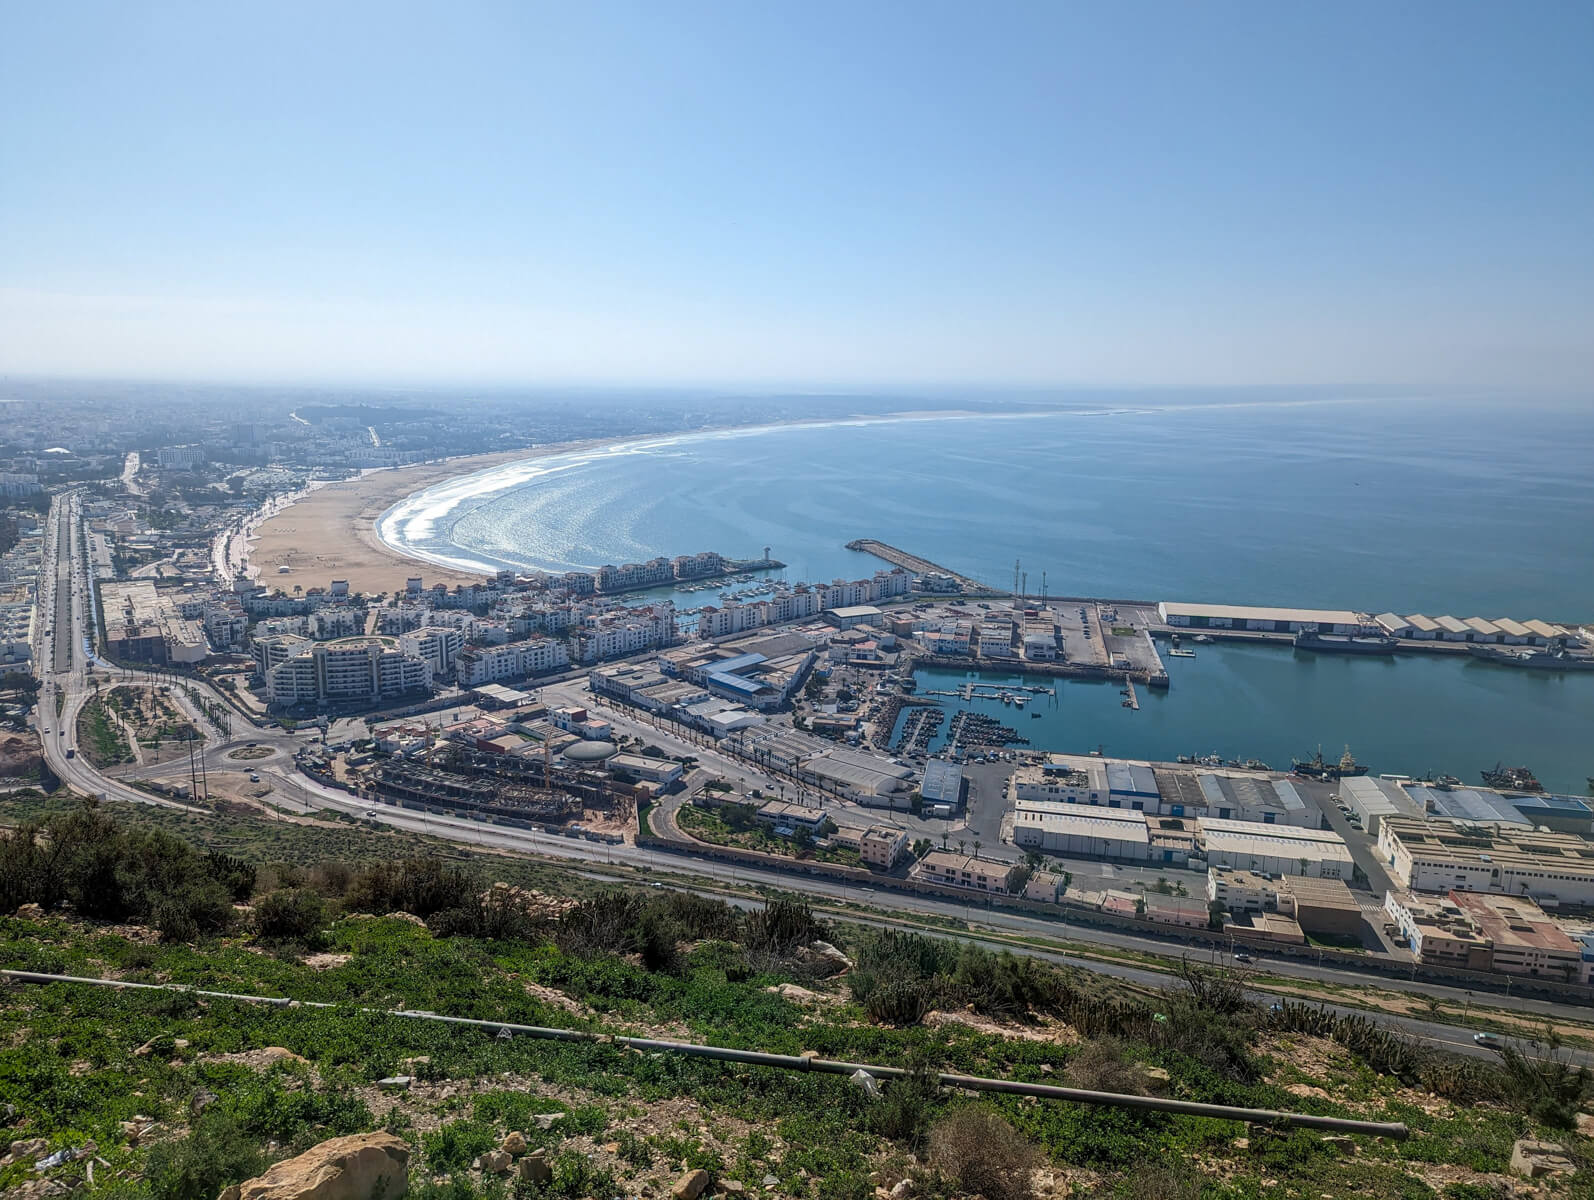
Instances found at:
x=1323 y=906
x=1078 y=831
x=1373 y=800
x=1267 y=620
x=1274 y=850
x=943 y=783
x=1553 y=868
x=1468 y=806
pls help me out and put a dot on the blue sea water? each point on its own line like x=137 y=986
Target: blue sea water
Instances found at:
x=1414 y=505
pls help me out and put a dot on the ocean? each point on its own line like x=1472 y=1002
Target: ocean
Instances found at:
x=1412 y=505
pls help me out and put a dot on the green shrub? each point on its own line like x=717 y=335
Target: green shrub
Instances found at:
x=291 y=915
x=197 y=1167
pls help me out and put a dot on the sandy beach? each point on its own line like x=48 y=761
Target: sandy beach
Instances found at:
x=331 y=533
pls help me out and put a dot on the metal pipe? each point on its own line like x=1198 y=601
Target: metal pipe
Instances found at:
x=787 y=1062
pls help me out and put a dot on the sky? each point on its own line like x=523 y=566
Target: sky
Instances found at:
x=816 y=193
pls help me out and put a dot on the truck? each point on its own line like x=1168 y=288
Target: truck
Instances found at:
x=70 y=752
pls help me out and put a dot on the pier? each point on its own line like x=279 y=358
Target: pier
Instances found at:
x=920 y=566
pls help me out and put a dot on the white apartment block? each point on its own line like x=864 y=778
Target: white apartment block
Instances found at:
x=329 y=623
x=435 y=645
x=478 y=665
x=353 y=669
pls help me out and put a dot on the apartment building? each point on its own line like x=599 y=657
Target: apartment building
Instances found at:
x=950 y=869
x=436 y=645
x=882 y=846
x=477 y=665
x=367 y=669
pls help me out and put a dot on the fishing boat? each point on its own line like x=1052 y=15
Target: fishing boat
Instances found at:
x=1317 y=767
x=1512 y=779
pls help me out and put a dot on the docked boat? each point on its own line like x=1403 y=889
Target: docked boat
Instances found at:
x=1345 y=643
x=1512 y=779
x=1178 y=653
x=1533 y=659
x=1317 y=767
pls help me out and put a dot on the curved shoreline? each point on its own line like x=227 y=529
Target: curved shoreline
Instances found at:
x=330 y=533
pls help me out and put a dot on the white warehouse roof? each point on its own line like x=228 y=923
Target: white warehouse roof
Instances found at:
x=1240 y=612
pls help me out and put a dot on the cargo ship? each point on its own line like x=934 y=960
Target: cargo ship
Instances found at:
x=1346 y=643
x=1533 y=659
x=1317 y=768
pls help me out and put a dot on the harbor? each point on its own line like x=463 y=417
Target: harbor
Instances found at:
x=1241 y=701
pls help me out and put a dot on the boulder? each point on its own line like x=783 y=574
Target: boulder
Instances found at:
x=534 y=1168
x=345 y=1168
x=793 y=992
x=1340 y=1144
x=497 y=1162
x=1534 y=1160
x=514 y=1143
x=689 y=1186
x=547 y=1120
x=1585 y=1124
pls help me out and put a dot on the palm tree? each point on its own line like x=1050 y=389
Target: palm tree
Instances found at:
x=962 y=846
x=976 y=849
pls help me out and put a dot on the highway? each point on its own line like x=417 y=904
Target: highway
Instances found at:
x=294 y=792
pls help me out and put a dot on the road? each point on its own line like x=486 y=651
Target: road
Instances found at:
x=297 y=793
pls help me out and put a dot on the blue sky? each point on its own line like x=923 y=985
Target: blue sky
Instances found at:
x=818 y=193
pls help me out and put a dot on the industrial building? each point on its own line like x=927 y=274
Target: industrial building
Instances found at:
x=1426 y=856
x=1079 y=831
x=1074 y=779
x=1438 y=932
x=1321 y=906
x=1274 y=849
x=942 y=783
x=1375 y=800
x=1265 y=620
x=1524 y=940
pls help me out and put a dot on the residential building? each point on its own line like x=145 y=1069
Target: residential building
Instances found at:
x=436 y=645
x=950 y=869
x=882 y=846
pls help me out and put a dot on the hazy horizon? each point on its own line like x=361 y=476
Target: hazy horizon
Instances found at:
x=829 y=197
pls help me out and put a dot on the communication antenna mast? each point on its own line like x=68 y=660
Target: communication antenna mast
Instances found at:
x=1043 y=590
x=1015 y=576
x=1024 y=589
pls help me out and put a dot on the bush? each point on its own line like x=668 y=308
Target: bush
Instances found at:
x=1103 y=1066
x=291 y=915
x=423 y=886
x=781 y=926
x=980 y=1154
x=217 y=1153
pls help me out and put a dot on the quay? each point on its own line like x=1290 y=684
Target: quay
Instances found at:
x=920 y=566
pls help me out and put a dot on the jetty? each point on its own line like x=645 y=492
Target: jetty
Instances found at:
x=898 y=557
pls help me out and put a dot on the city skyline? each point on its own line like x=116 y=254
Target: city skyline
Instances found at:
x=825 y=197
